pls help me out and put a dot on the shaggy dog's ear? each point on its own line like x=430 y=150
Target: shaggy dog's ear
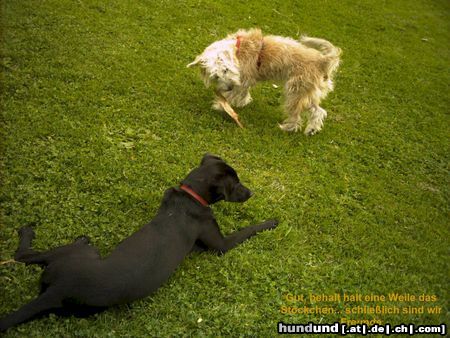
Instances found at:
x=197 y=60
x=209 y=157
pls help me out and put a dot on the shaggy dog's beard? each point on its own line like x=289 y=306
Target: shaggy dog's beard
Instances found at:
x=306 y=67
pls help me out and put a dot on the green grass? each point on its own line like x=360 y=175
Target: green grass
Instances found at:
x=100 y=116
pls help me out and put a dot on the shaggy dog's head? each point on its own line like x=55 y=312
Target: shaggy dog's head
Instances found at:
x=219 y=65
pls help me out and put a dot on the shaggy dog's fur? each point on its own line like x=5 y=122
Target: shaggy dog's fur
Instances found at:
x=306 y=67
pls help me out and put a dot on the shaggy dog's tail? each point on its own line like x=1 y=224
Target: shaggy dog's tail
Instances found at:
x=326 y=48
x=323 y=46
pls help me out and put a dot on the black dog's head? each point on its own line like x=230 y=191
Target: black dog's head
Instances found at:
x=215 y=180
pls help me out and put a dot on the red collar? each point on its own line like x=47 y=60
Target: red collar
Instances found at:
x=238 y=46
x=196 y=196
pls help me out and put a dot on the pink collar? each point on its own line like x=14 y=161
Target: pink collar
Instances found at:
x=196 y=196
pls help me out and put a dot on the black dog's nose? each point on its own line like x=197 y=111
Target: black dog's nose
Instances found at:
x=248 y=194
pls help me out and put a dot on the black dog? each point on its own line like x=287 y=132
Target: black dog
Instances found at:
x=146 y=259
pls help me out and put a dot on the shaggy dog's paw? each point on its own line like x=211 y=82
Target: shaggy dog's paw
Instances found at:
x=217 y=106
x=310 y=131
x=243 y=102
x=289 y=126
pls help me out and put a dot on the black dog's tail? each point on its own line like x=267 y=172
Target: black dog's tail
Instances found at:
x=44 y=302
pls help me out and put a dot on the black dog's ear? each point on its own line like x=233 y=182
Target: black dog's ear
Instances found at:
x=226 y=188
x=208 y=157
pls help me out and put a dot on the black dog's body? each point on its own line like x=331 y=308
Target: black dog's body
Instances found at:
x=146 y=259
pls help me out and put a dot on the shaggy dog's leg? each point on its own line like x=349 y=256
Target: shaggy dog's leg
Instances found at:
x=297 y=100
x=294 y=121
x=239 y=96
x=218 y=104
x=316 y=113
x=315 y=121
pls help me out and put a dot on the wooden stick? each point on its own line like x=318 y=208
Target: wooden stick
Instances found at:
x=226 y=106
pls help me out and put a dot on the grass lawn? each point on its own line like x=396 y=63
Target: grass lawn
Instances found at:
x=100 y=116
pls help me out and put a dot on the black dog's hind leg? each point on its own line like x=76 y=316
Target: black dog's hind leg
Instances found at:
x=46 y=301
x=214 y=240
x=27 y=255
x=24 y=252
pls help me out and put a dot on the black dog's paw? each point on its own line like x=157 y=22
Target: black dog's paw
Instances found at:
x=26 y=231
x=83 y=239
x=271 y=224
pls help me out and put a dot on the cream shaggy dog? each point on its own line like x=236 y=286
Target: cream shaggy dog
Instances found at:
x=306 y=67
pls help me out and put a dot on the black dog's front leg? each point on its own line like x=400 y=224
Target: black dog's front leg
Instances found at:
x=214 y=240
x=199 y=247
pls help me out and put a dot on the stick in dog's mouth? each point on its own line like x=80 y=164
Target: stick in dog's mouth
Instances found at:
x=226 y=106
